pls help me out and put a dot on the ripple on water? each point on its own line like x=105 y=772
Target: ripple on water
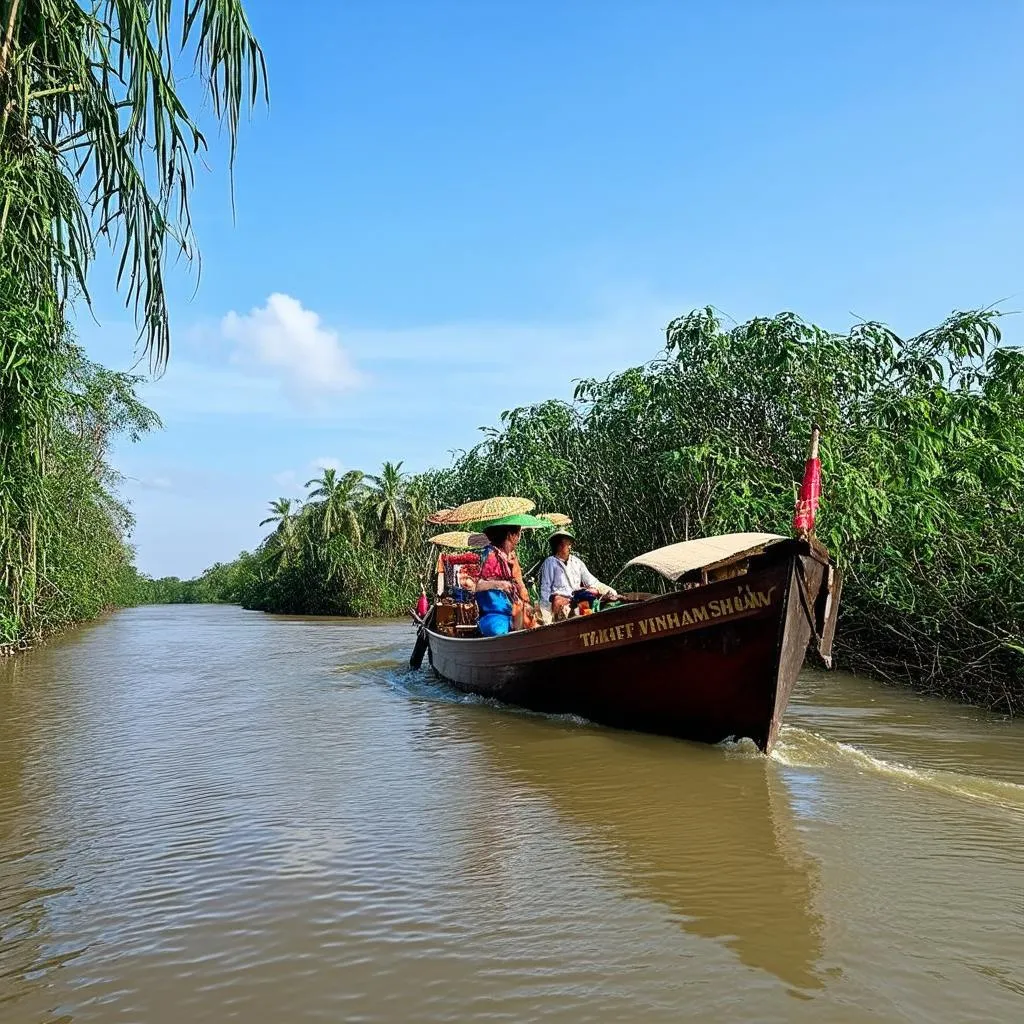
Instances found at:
x=207 y=813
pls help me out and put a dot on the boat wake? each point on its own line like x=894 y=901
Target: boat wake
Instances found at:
x=743 y=747
x=800 y=748
x=422 y=684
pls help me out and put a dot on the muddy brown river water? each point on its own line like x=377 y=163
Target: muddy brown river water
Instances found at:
x=208 y=814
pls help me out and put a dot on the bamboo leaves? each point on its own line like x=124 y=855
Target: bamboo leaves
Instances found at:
x=96 y=143
x=62 y=533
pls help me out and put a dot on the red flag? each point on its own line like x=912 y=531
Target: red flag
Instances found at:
x=422 y=605
x=810 y=490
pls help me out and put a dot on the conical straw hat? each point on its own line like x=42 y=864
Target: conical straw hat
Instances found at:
x=459 y=539
x=480 y=511
x=555 y=518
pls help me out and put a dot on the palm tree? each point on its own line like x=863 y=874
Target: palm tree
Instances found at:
x=417 y=502
x=387 y=506
x=284 y=540
x=338 y=499
x=96 y=143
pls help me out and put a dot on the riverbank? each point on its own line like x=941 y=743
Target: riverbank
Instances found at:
x=64 y=531
x=26 y=644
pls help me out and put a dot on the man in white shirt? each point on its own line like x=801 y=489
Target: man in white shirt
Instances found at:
x=561 y=575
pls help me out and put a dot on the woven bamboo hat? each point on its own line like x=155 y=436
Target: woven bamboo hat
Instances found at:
x=482 y=511
x=459 y=539
x=555 y=518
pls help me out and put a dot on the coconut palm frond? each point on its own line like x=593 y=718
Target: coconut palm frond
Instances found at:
x=96 y=142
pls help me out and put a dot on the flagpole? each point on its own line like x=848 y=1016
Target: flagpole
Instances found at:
x=810 y=490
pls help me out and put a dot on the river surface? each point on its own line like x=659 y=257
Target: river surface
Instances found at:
x=208 y=814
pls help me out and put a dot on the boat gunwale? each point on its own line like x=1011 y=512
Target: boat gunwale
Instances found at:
x=535 y=646
x=574 y=621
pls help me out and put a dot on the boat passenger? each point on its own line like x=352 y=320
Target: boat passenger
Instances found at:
x=563 y=576
x=500 y=584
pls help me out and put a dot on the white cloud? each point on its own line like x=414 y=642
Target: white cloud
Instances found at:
x=433 y=385
x=467 y=371
x=290 y=342
x=287 y=478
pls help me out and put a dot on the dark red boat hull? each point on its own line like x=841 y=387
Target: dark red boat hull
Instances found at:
x=705 y=664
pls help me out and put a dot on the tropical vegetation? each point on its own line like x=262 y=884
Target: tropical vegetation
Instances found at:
x=96 y=146
x=353 y=545
x=62 y=530
x=923 y=455
x=923 y=503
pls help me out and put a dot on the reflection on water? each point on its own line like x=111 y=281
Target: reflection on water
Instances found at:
x=207 y=813
x=716 y=846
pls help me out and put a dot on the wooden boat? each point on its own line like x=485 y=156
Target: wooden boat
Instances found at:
x=715 y=659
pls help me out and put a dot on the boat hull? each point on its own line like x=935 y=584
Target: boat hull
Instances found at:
x=705 y=664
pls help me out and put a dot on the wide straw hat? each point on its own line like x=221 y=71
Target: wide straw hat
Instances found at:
x=561 y=531
x=459 y=539
x=482 y=511
x=555 y=518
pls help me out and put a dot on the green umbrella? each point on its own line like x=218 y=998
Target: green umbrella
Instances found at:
x=521 y=519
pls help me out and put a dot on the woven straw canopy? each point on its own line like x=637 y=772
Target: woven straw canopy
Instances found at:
x=480 y=511
x=459 y=539
x=675 y=560
x=555 y=518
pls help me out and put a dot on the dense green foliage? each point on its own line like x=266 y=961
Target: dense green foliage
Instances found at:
x=923 y=466
x=95 y=144
x=62 y=531
x=353 y=547
x=213 y=587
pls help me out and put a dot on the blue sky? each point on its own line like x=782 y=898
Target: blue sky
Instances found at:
x=452 y=208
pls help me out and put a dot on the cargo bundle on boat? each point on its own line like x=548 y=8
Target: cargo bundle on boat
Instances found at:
x=715 y=657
